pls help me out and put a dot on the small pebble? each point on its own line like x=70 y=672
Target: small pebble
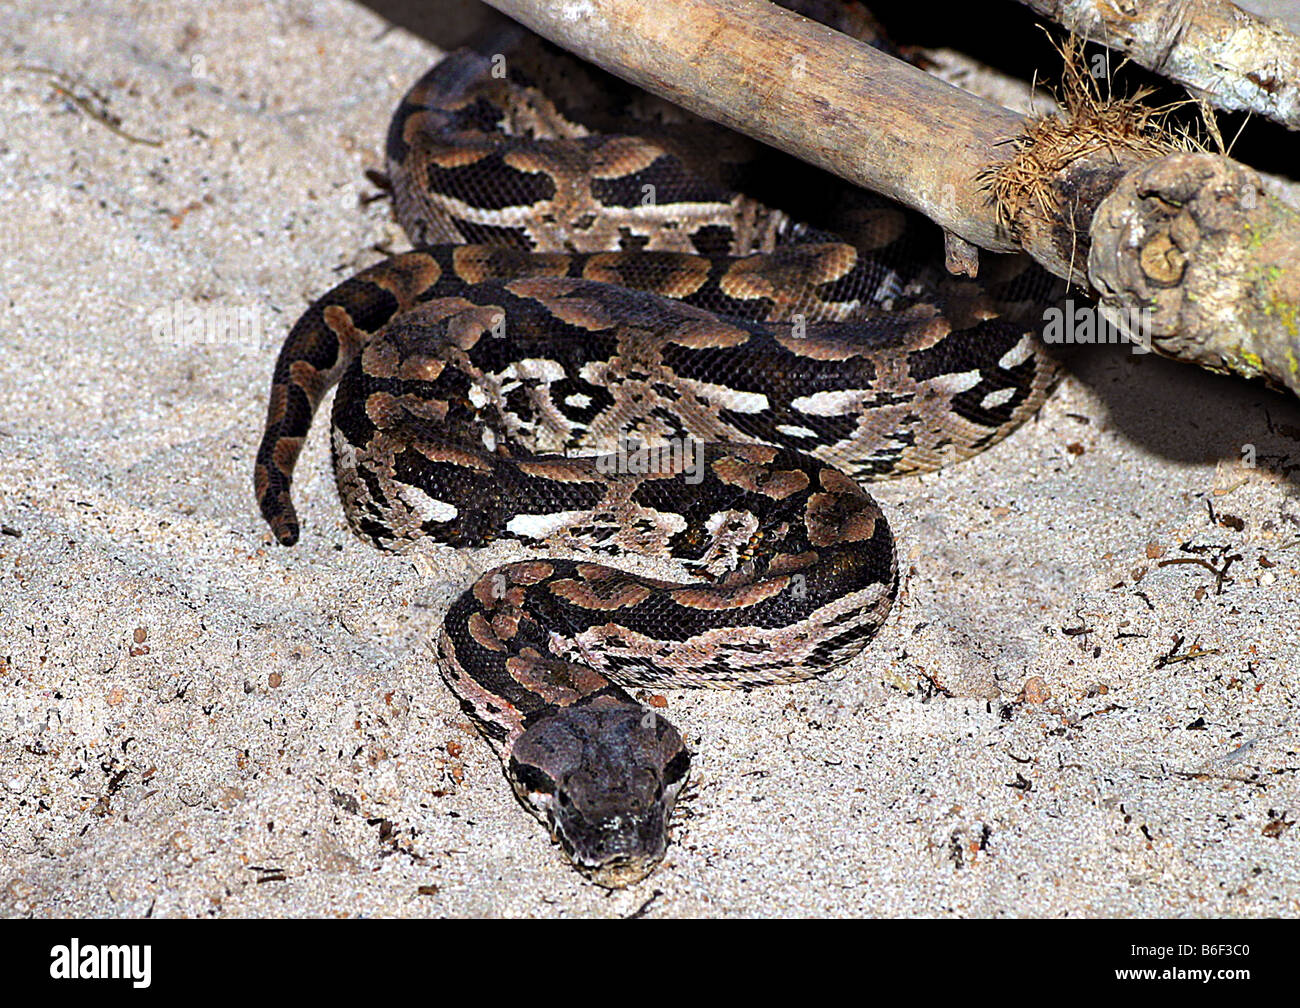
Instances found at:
x=1035 y=691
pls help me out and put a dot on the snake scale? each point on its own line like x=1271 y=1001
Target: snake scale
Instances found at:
x=624 y=332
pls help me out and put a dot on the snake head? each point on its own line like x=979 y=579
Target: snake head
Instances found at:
x=603 y=776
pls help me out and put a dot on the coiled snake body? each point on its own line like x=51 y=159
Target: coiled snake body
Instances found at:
x=598 y=272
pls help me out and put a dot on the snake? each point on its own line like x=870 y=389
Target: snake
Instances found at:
x=627 y=342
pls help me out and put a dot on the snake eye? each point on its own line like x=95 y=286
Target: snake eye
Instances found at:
x=531 y=778
x=677 y=767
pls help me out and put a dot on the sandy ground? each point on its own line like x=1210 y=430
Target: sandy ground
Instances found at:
x=197 y=723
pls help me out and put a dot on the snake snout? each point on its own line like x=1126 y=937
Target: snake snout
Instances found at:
x=617 y=834
x=615 y=852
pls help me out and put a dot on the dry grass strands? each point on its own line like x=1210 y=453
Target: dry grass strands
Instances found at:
x=1062 y=163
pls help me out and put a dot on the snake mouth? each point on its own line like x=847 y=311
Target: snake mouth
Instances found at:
x=621 y=872
x=616 y=853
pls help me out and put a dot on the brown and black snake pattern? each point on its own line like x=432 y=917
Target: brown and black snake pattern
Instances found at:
x=593 y=274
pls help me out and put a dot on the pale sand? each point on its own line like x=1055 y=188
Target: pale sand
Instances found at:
x=171 y=776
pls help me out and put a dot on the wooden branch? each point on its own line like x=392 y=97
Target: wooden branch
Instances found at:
x=1233 y=59
x=1193 y=254
x=885 y=125
x=973 y=77
x=1283 y=13
x=801 y=87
